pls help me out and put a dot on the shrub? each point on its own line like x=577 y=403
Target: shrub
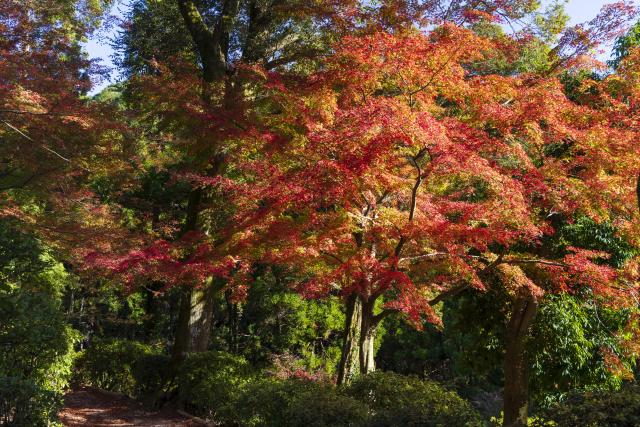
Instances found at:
x=26 y=404
x=399 y=400
x=297 y=402
x=124 y=366
x=152 y=376
x=210 y=382
x=325 y=407
x=35 y=341
x=595 y=409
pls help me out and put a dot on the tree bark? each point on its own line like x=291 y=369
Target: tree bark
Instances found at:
x=349 y=366
x=368 y=338
x=516 y=379
x=194 y=322
x=190 y=297
x=358 y=352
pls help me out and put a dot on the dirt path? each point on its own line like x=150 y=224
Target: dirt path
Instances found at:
x=91 y=407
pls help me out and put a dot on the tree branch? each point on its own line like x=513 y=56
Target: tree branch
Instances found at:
x=448 y=293
x=330 y=255
x=414 y=196
x=381 y=316
x=419 y=257
x=34 y=113
x=27 y=137
x=535 y=261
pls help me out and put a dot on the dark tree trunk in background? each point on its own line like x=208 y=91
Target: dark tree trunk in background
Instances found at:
x=516 y=380
x=234 y=311
x=190 y=324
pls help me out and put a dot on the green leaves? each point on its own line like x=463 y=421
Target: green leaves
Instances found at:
x=589 y=234
x=568 y=343
x=36 y=343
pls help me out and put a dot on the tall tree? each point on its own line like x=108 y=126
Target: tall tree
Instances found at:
x=209 y=106
x=417 y=178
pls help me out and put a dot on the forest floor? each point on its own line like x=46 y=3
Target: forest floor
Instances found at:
x=91 y=407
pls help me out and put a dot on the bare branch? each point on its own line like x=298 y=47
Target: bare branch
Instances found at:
x=414 y=196
x=536 y=261
x=424 y=256
x=448 y=293
x=381 y=316
x=32 y=140
x=35 y=113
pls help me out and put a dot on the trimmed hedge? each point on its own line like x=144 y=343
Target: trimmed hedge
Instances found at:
x=377 y=399
x=297 y=402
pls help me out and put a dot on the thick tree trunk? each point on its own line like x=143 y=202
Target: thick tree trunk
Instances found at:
x=358 y=352
x=516 y=380
x=192 y=303
x=194 y=322
x=349 y=366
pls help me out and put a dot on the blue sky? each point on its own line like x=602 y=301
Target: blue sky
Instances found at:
x=98 y=46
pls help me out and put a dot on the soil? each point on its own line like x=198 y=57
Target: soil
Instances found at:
x=92 y=407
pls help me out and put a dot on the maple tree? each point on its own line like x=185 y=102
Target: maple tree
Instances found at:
x=211 y=107
x=53 y=133
x=417 y=179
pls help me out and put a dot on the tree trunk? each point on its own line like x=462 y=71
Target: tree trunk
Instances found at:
x=192 y=301
x=367 y=339
x=360 y=333
x=349 y=366
x=194 y=322
x=234 y=317
x=516 y=380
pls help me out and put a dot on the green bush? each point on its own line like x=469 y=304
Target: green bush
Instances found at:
x=210 y=382
x=124 y=366
x=24 y=403
x=595 y=409
x=325 y=407
x=35 y=341
x=152 y=375
x=297 y=402
x=399 y=400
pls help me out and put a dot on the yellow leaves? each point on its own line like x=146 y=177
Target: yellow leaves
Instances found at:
x=629 y=69
x=26 y=101
x=517 y=282
x=534 y=134
x=324 y=103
